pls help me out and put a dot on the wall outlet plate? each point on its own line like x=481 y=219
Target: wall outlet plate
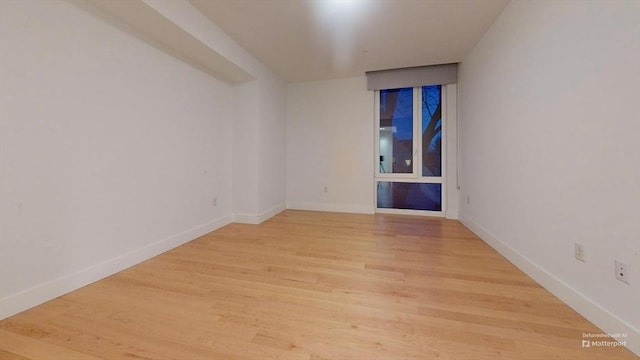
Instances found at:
x=622 y=271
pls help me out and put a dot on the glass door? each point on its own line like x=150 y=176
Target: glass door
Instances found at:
x=409 y=150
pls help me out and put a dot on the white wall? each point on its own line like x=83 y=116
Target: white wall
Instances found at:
x=259 y=165
x=330 y=143
x=550 y=147
x=259 y=115
x=451 y=153
x=111 y=151
x=329 y=137
x=245 y=150
x=272 y=148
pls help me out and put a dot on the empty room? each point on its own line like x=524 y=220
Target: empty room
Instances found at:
x=319 y=179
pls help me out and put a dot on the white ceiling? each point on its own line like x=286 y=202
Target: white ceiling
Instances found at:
x=304 y=40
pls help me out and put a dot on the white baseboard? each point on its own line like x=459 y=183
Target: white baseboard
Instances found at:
x=18 y=302
x=258 y=218
x=592 y=311
x=343 y=208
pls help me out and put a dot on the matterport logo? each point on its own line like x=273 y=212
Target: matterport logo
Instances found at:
x=603 y=340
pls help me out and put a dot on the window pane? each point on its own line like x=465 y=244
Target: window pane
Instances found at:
x=411 y=196
x=432 y=130
x=396 y=131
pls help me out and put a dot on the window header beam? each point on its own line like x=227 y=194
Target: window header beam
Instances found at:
x=442 y=74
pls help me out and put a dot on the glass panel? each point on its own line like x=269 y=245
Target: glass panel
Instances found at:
x=396 y=131
x=411 y=196
x=432 y=130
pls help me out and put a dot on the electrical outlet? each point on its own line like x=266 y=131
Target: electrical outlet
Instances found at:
x=214 y=202
x=622 y=272
x=326 y=189
x=579 y=252
x=468 y=200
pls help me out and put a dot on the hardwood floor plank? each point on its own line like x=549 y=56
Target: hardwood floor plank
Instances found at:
x=311 y=286
x=5 y=355
x=31 y=348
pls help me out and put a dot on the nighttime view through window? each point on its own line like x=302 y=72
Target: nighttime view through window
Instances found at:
x=396 y=148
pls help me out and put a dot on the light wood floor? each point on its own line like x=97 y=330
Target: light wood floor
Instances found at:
x=309 y=285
